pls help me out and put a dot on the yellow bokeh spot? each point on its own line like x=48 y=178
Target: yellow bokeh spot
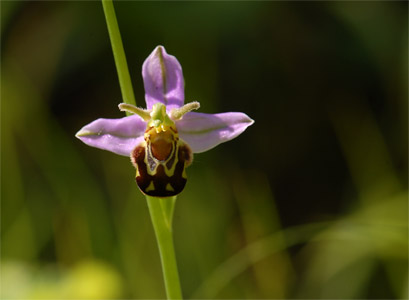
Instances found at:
x=91 y=280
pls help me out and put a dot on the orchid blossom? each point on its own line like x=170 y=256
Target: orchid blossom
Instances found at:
x=161 y=138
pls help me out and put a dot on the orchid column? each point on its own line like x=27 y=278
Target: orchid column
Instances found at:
x=161 y=139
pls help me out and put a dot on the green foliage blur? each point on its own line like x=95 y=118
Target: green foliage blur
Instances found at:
x=310 y=202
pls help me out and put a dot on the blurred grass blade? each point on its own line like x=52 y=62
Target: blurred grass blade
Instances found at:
x=254 y=253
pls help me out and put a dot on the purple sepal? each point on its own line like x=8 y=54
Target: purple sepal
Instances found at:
x=163 y=80
x=205 y=131
x=120 y=136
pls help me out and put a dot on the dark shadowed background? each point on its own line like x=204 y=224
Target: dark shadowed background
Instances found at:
x=309 y=202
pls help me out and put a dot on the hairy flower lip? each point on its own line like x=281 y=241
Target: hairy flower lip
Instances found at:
x=164 y=85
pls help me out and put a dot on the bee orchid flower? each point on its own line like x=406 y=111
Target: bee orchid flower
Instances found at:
x=162 y=138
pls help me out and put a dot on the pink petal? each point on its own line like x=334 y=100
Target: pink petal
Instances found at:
x=163 y=79
x=205 y=131
x=120 y=136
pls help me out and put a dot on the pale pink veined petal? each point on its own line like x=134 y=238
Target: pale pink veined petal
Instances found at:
x=205 y=131
x=120 y=136
x=163 y=79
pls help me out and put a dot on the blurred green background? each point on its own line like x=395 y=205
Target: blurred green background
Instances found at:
x=310 y=202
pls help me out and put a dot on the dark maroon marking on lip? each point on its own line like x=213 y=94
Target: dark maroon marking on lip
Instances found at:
x=160 y=179
x=170 y=162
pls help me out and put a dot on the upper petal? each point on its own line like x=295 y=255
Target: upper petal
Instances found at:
x=120 y=136
x=205 y=131
x=163 y=79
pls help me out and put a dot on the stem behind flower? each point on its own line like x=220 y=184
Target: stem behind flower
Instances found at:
x=119 y=53
x=161 y=211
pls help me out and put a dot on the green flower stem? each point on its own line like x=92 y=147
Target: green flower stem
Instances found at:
x=161 y=211
x=119 y=53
